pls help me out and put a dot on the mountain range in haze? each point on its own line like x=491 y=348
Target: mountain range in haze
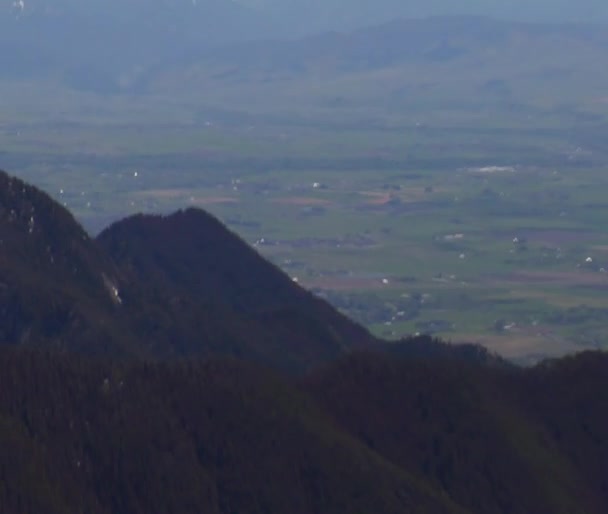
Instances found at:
x=289 y=17
x=239 y=57
x=310 y=16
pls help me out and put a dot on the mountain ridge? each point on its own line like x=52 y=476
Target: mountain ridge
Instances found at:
x=391 y=72
x=190 y=254
x=398 y=41
x=52 y=273
x=334 y=14
x=113 y=52
x=164 y=286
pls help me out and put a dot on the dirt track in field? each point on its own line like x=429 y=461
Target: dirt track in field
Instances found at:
x=301 y=201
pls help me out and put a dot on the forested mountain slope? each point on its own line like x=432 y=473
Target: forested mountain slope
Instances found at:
x=217 y=437
x=365 y=434
x=495 y=439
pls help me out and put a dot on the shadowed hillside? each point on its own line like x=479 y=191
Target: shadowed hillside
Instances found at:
x=55 y=284
x=191 y=257
x=155 y=286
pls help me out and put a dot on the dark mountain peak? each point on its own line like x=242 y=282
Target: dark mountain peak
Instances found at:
x=181 y=225
x=174 y=285
x=193 y=257
x=52 y=274
x=19 y=202
x=196 y=251
x=40 y=235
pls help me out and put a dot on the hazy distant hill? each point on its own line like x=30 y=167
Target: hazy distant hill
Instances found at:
x=242 y=56
x=311 y=15
x=406 y=66
x=435 y=40
x=108 y=47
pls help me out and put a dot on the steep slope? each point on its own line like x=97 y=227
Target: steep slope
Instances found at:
x=154 y=286
x=189 y=259
x=56 y=287
x=220 y=437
